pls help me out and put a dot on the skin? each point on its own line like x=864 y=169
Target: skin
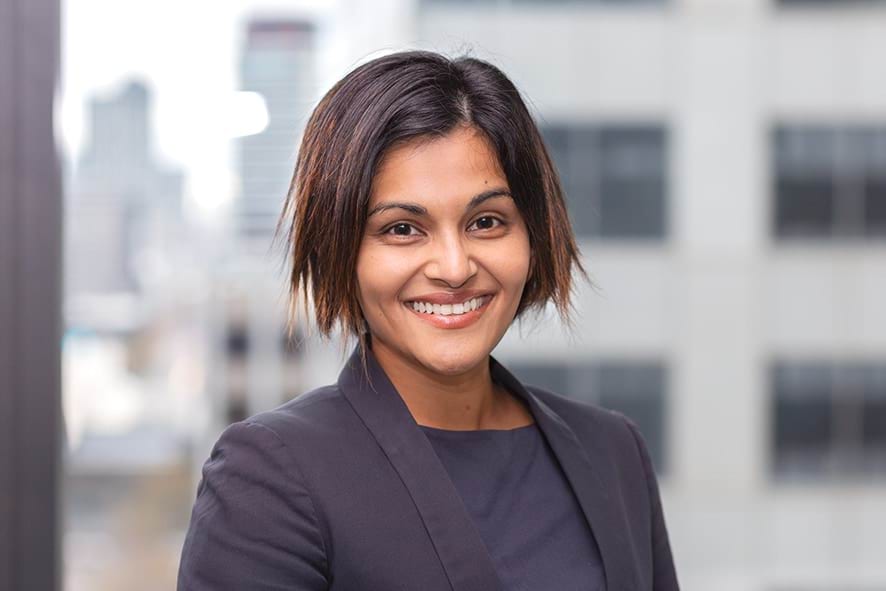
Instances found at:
x=443 y=374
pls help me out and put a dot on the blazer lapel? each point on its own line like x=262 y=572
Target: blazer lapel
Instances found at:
x=593 y=479
x=455 y=536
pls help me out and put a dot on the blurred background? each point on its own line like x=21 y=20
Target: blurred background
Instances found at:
x=725 y=166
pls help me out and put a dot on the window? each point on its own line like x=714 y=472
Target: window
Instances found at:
x=829 y=420
x=636 y=389
x=614 y=178
x=830 y=182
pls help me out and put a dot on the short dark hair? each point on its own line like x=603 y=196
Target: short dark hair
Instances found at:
x=395 y=99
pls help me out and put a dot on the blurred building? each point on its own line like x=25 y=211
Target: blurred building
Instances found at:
x=131 y=360
x=256 y=364
x=124 y=208
x=125 y=238
x=278 y=62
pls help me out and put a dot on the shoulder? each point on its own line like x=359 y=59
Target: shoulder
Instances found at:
x=293 y=439
x=271 y=458
x=252 y=500
x=319 y=412
x=268 y=445
x=315 y=408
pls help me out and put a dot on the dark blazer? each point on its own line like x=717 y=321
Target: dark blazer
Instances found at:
x=340 y=489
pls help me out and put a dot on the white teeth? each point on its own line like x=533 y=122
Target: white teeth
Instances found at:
x=449 y=309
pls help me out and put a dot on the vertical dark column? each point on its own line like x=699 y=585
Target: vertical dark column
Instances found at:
x=30 y=298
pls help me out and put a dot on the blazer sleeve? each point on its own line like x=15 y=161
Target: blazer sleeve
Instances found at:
x=253 y=525
x=664 y=574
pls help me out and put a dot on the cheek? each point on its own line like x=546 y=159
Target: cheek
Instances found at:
x=379 y=277
x=520 y=260
x=510 y=264
x=519 y=270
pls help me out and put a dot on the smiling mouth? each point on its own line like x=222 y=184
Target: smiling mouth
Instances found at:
x=459 y=309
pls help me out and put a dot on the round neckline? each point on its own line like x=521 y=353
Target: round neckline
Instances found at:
x=468 y=432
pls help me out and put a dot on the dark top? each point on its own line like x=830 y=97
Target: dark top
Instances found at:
x=339 y=489
x=523 y=506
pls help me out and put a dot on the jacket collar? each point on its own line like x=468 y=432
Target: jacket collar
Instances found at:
x=458 y=543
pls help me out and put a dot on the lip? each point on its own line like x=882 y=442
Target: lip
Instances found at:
x=452 y=321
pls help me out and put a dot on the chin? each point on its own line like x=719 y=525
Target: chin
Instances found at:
x=450 y=362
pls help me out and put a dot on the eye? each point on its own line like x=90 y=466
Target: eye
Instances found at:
x=401 y=229
x=486 y=222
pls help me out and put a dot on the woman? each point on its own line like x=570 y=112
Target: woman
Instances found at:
x=425 y=217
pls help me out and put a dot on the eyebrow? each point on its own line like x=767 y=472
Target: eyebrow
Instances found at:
x=416 y=209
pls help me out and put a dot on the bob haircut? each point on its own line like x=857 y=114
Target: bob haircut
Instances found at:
x=387 y=102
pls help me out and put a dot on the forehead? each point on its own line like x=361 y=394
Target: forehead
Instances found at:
x=451 y=168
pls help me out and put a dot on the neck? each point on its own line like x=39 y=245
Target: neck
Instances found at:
x=466 y=401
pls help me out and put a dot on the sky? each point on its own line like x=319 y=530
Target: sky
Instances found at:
x=187 y=53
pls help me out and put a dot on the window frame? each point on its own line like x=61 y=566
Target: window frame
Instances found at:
x=30 y=297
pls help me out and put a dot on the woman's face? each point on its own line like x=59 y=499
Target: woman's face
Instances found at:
x=444 y=256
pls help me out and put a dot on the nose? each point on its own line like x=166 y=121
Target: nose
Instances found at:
x=451 y=261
